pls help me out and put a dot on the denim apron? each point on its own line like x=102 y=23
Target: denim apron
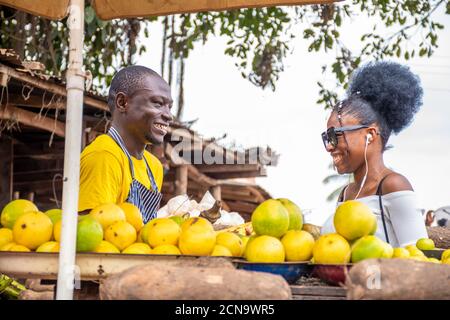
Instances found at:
x=147 y=200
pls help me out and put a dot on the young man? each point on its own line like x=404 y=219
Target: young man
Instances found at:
x=116 y=167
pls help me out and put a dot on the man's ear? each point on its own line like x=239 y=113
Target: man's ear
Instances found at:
x=121 y=102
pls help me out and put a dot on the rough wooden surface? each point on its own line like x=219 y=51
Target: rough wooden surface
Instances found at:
x=151 y=282
x=440 y=236
x=398 y=279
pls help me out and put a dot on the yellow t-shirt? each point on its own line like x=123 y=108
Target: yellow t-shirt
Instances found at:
x=105 y=175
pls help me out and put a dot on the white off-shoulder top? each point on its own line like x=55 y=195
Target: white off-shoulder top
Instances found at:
x=404 y=221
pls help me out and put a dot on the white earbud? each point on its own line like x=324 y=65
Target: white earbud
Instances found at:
x=368 y=138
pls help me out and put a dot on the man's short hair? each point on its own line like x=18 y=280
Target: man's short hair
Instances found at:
x=126 y=80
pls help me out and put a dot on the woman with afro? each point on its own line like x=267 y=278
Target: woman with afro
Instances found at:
x=382 y=99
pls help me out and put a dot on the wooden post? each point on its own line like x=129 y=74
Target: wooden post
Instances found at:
x=181 y=180
x=216 y=192
x=6 y=159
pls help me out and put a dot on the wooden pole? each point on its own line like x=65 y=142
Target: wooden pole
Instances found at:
x=216 y=192
x=181 y=180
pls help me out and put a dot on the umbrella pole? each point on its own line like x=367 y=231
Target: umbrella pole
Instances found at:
x=68 y=272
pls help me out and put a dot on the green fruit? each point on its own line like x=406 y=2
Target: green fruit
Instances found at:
x=54 y=214
x=178 y=219
x=13 y=210
x=425 y=244
x=270 y=218
x=89 y=234
x=295 y=214
x=368 y=247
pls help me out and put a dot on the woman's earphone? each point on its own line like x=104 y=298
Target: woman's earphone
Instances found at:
x=369 y=138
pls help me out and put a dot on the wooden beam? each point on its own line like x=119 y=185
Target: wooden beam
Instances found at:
x=241 y=206
x=225 y=168
x=232 y=175
x=216 y=192
x=181 y=180
x=32 y=119
x=35 y=101
x=50 y=87
x=193 y=173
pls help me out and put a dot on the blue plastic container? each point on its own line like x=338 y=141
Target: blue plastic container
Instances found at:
x=290 y=271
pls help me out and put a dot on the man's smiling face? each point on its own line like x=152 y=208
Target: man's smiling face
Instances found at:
x=148 y=112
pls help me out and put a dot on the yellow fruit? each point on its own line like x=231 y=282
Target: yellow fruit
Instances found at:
x=163 y=231
x=138 y=248
x=89 y=234
x=232 y=242
x=245 y=240
x=144 y=233
x=107 y=214
x=54 y=214
x=13 y=210
x=425 y=244
x=331 y=249
x=265 y=249
x=434 y=260
x=419 y=258
x=388 y=251
x=132 y=215
x=50 y=246
x=19 y=248
x=166 y=249
x=414 y=251
x=220 y=251
x=197 y=237
x=57 y=230
x=401 y=253
x=295 y=214
x=445 y=254
x=368 y=247
x=354 y=219
x=121 y=234
x=32 y=229
x=7 y=246
x=106 y=247
x=298 y=245
x=197 y=222
x=6 y=236
x=270 y=218
x=446 y=261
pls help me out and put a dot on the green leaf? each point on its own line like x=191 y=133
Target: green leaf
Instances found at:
x=89 y=14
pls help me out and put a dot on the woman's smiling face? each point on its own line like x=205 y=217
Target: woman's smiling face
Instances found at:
x=348 y=155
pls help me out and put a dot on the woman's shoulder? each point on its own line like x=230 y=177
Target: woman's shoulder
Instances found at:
x=395 y=182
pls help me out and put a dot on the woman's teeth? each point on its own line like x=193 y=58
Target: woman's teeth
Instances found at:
x=161 y=127
x=337 y=159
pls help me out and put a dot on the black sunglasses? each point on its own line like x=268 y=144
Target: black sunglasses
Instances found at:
x=331 y=135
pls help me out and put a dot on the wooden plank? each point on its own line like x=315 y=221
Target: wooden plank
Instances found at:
x=28 y=118
x=232 y=175
x=50 y=87
x=318 y=291
x=307 y=297
x=225 y=168
x=35 y=101
x=241 y=206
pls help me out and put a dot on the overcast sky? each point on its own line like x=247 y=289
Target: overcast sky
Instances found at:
x=290 y=122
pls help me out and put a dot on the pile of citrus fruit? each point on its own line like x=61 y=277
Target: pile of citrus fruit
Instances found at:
x=355 y=241
x=111 y=228
x=278 y=234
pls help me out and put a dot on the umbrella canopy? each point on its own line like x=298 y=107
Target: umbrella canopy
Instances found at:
x=111 y=9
